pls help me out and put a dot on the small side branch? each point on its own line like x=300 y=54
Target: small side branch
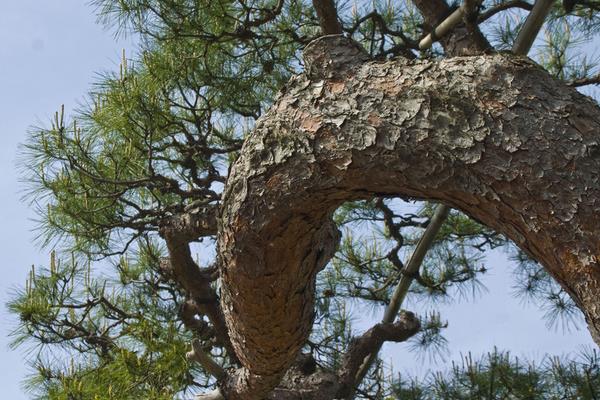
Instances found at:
x=269 y=15
x=442 y=29
x=377 y=19
x=484 y=16
x=456 y=39
x=198 y=355
x=178 y=234
x=214 y=395
x=370 y=343
x=592 y=80
x=409 y=273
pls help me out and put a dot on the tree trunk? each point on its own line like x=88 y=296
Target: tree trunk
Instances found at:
x=493 y=135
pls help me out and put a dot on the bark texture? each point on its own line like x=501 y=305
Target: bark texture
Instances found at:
x=328 y=17
x=494 y=136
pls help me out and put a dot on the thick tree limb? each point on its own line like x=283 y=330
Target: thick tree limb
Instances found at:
x=303 y=381
x=195 y=222
x=494 y=136
x=471 y=44
x=328 y=17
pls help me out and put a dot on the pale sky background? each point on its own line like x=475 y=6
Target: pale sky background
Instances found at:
x=50 y=51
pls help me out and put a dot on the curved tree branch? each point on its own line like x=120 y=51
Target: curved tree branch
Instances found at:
x=494 y=136
x=178 y=231
x=199 y=355
x=592 y=80
x=522 y=4
x=369 y=344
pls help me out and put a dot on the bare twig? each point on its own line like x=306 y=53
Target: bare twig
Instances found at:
x=484 y=16
x=592 y=80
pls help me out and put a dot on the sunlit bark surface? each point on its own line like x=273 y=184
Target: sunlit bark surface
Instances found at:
x=491 y=135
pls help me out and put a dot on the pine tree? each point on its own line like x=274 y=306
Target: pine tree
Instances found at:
x=256 y=135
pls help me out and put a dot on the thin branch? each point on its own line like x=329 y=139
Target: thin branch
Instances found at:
x=209 y=365
x=532 y=26
x=592 y=80
x=442 y=29
x=268 y=15
x=378 y=19
x=465 y=39
x=408 y=274
x=502 y=7
x=197 y=282
x=214 y=395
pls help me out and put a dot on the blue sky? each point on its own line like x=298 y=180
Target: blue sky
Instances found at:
x=50 y=52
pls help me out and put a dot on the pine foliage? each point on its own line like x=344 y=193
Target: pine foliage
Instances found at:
x=106 y=320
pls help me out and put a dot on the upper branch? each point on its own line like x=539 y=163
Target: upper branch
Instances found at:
x=484 y=16
x=328 y=17
x=194 y=223
x=592 y=80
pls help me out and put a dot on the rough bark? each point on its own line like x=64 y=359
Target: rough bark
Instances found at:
x=327 y=16
x=494 y=136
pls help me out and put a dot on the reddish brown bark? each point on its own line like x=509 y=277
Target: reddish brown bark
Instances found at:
x=494 y=136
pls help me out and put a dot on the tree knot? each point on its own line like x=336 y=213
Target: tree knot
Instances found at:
x=332 y=56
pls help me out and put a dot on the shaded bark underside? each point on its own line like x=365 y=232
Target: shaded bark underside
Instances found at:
x=494 y=136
